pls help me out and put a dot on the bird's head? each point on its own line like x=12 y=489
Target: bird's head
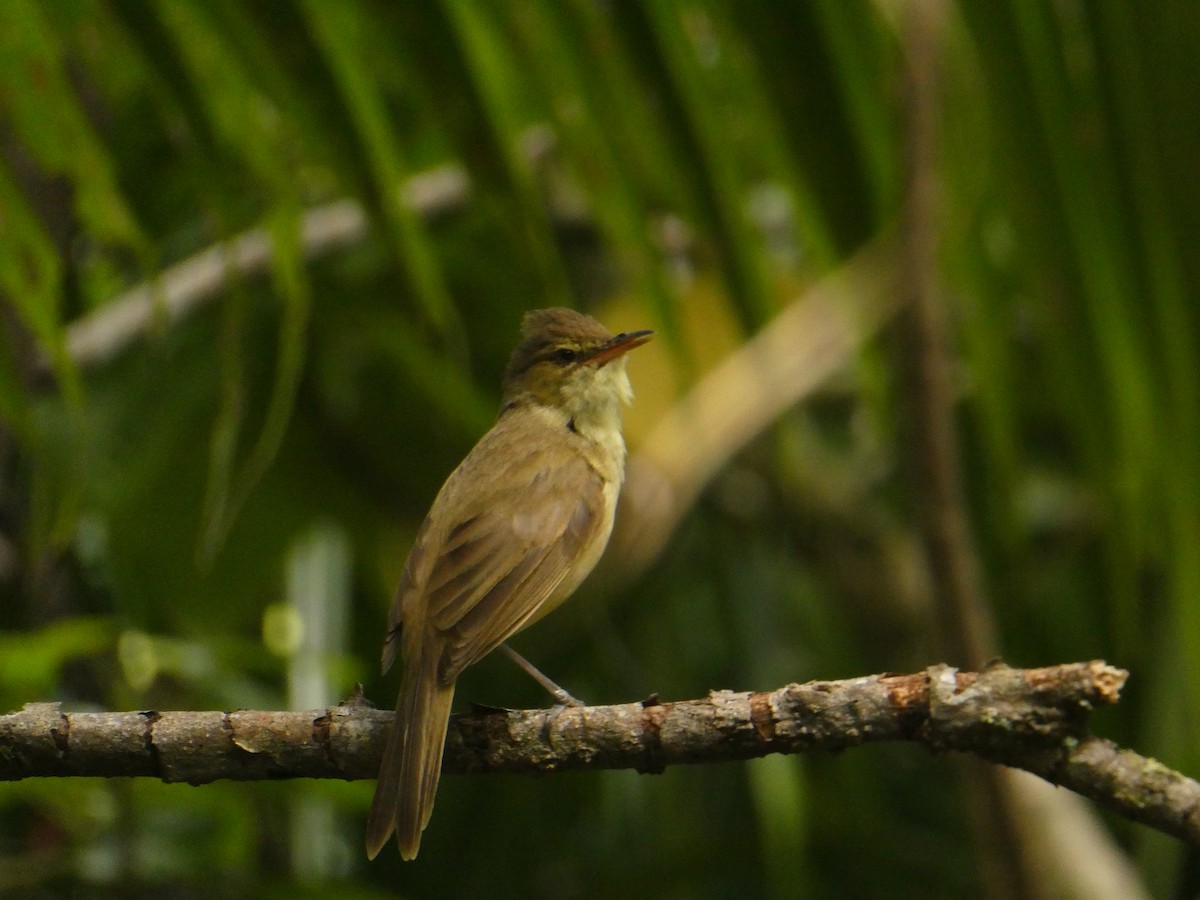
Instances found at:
x=569 y=362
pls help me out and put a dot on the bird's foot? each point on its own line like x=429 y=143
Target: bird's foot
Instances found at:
x=561 y=697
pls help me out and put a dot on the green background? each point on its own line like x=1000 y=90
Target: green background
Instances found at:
x=214 y=514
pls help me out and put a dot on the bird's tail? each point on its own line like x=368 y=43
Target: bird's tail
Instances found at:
x=412 y=761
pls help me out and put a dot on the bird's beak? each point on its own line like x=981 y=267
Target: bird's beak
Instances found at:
x=618 y=346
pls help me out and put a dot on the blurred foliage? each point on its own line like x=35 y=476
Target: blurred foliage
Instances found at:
x=686 y=165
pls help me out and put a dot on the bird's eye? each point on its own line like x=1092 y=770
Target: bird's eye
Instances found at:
x=565 y=356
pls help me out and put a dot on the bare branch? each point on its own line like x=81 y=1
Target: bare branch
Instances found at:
x=810 y=340
x=187 y=286
x=1032 y=719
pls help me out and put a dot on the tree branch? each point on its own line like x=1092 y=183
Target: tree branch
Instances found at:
x=181 y=289
x=1032 y=719
x=794 y=354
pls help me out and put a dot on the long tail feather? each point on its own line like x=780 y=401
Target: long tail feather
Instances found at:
x=412 y=761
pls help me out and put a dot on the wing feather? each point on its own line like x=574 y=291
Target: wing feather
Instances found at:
x=536 y=547
x=512 y=540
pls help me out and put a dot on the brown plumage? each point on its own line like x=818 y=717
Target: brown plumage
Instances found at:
x=512 y=533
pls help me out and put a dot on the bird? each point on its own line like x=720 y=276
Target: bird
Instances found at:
x=515 y=529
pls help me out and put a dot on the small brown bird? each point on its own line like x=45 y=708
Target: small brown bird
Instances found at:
x=513 y=532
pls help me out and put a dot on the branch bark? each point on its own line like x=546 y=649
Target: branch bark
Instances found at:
x=1032 y=719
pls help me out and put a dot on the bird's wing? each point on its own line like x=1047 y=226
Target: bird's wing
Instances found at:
x=416 y=570
x=511 y=550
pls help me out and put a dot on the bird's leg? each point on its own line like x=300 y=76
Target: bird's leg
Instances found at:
x=560 y=696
